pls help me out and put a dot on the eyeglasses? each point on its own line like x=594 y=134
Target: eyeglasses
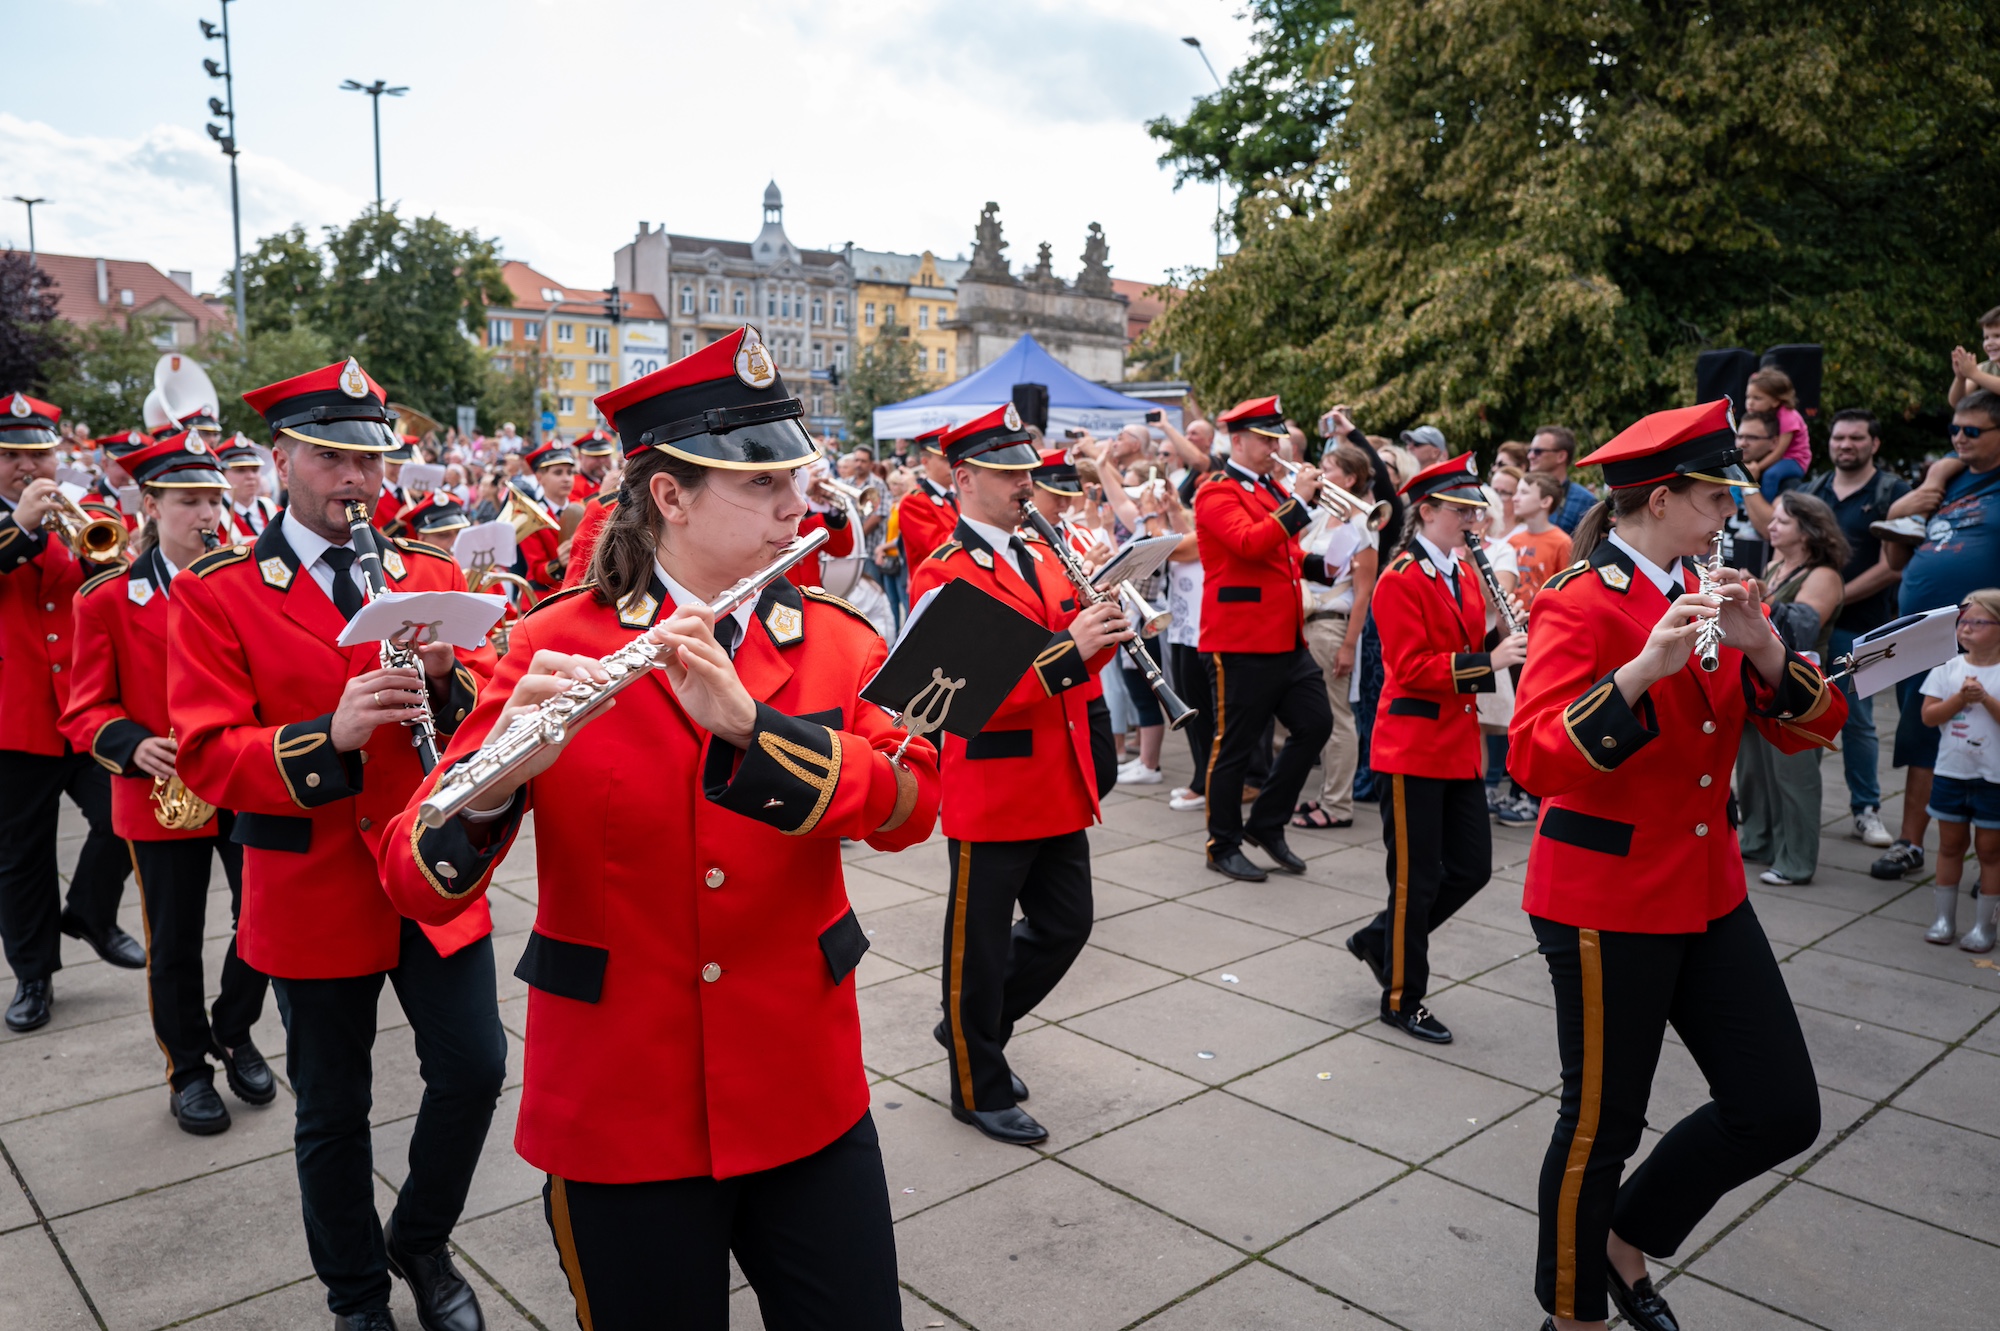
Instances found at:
x=1965 y=623
x=1969 y=431
x=1539 y=452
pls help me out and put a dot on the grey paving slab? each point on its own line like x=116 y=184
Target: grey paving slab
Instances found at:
x=1365 y=1254
x=1861 y=1058
x=1261 y=1298
x=1504 y=1158
x=868 y=891
x=188 y=1249
x=1901 y=945
x=911 y=934
x=1290 y=905
x=1787 y=919
x=1177 y=938
x=1698 y=1303
x=1919 y=1167
x=1841 y=1263
x=57 y=1069
x=502 y=1179
x=1099 y=977
x=1155 y=868
x=896 y=1023
x=86 y=992
x=1201 y=1031
x=1435 y=1105
x=1151 y=820
x=1030 y=1252
x=514 y=1248
x=1894 y=998
x=1353 y=868
x=15 y=1208
x=1498 y=906
x=127 y=1144
x=1315 y=979
x=878 y=969
x=930 y=1157
x=1464 y=948
x=1245 y=1175
x=1109 y=899
x=1960 y=1090
x=1502 y=1036
x=1986 y=1038
x=299 y=1304
x=36 y=1292
x=1526 y=979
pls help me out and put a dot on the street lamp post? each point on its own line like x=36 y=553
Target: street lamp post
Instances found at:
x=31 y=225
x=225 y=109
x=376 y=92
x=1199 y=50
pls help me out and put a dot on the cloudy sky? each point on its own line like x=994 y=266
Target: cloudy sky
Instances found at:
x=558 y=124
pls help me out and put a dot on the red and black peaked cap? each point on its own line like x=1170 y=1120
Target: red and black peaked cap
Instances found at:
x=1697 y=441
x=724 y=406
x=339 y=406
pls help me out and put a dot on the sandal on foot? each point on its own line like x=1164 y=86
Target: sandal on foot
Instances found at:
x=1309 y=814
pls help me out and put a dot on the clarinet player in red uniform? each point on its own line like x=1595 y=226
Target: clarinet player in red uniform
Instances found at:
x=1626 y=724
x=693 y=1076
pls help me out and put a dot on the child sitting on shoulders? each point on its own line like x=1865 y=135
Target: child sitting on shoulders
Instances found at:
x=1771 y=390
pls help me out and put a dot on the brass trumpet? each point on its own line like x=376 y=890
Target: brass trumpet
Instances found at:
x=177 y=808
x=484 y=577
x=96 y=540
x=863 y=499
x=1339 y=502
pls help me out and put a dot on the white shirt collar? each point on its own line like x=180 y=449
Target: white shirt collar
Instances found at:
x=1667 y=580
x=1001 y=542
x=306 y=543
x=1243 y=473
x=165 y=563
x=1445 y=560
x=681 y=596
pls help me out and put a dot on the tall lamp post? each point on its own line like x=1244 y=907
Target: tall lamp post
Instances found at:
x=1195 y=42
x=376 y=92
x=31 y=225
x=224 y=108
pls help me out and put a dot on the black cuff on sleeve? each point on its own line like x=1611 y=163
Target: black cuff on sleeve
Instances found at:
x=313 y=772
x=18 y=547
x=1315 y=570
x=116 y=742
x=786 y=777
x=1605 y=731
x=461 y=693
x=1060 y=665
x=1801 y=695
x=1293 y=516
x=556 y=569
x=836 y=518
x=457 y=858
x=1472 y=672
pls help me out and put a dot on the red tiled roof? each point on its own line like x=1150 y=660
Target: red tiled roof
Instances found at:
x=1145 y=307
x=75 y=289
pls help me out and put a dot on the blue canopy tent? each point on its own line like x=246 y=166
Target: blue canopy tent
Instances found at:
x=1075 y=403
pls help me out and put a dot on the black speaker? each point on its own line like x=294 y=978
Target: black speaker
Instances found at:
x=1724 y=372
x=1802 y=362
x=1032 y=401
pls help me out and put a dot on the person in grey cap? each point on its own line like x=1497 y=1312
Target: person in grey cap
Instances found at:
x=1427 y=443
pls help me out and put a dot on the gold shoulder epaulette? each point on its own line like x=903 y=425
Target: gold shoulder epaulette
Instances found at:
x=822 y=594
x=420 y=548
x=1556 y=583
x=562 y=595
x=1401 y=562
x=947 y=550
x=99 y=579
x=216 y=559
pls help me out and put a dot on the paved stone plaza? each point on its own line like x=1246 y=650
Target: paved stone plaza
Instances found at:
x=1236 y=1142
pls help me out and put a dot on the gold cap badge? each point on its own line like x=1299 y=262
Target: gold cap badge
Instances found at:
x=352 y=381
x=753 y=360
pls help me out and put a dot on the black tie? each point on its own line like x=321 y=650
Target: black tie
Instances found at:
x=1276 y=493
x=727 y=631
x=1026 y=563
x=346 y=596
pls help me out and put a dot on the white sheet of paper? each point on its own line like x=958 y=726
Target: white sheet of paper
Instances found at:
x=416 y=618
x=1899 y=650
x=74 y=478
x=420 y=478
x=1137 y=559
x=73 y=492
x=488 y=543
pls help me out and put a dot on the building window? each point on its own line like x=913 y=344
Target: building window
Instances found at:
x=565 y=405
x=923 y=316
x=923 y=361
x=687 y=344
x=840 y=355
x=819 y=405
x=565 y=332
x=819 y=310
x=819 y=355
x=889 y=315
x=943 y=367
x=687 y=300
x=531 y=330
x=840 y=314
x=868 y=314
x=599 y=339
x=739 y=304
x=600 y=374
x=714 y=300
x=499 y=331
x=565 y=369
x=502 y=364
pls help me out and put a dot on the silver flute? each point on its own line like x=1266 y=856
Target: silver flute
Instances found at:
x=1708 y=638
x=552 y=721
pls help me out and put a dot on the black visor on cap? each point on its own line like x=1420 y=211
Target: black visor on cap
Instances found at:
x=448 y=519
x=363 y=436
x=1712 y=457
x=34 y=436
x=191 y=474
x=765 y=445
x=1005 y=456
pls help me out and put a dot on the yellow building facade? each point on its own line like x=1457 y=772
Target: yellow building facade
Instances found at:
x=916 y=293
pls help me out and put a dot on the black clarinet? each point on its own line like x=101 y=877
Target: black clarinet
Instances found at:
x=1177 y=713
x=368 y=558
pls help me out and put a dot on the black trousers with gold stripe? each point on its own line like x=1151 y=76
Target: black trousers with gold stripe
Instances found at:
x=813 y=1238
x=173 y=886
x=1249 y=690
x=995 y=970
x=1616 y=993
x=1440 y=855
x=32 y=902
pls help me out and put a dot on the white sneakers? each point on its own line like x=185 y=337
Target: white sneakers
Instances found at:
x=1136 y=773
x=1868 y=827
x=1183 y=800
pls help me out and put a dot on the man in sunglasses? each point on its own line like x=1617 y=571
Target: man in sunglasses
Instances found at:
x=1551 y=451
x=1961 y=550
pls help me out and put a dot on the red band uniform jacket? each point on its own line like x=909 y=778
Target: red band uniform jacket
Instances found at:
x=1636 y=833
x=118 y=688
x=1247 y=530
x=1433 y=662
x=1029 y=772
x=253 y=677
x=691 y=1008
x=925 y=518
x=39 y=577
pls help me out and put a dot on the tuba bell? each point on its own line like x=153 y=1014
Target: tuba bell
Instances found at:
x=524 y=513
x=177 y=808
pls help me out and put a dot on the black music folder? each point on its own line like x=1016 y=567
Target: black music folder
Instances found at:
x=961 y=653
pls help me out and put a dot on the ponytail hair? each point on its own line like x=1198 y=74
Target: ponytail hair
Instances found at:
x=623 y=558
x=1591 y=529
x=1605 y=513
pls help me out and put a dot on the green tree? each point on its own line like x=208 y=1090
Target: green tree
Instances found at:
x=32 y=349
x=268 y=356
x=1535 y=211
x=105 y=373
x=284 y=282
x=885 y=372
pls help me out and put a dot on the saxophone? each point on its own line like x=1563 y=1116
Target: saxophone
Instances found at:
x=177 y=808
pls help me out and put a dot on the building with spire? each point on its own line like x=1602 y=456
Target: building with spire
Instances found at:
x=801 y=300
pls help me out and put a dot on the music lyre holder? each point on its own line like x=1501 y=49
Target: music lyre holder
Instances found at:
x=1854 y=661
x=927 y=710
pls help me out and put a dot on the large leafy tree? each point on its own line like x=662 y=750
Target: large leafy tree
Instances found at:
x=1533 y=211
x=32 y=350
x=885 y=372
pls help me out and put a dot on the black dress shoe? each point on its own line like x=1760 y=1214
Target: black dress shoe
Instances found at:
x=1236 y=866
x=249 y=1075
x=1273 y=844
x=29 y=1009
x=115 y=946
x=1419 y=1023
x=198 y=1109
x=444 y=1301
x=1640 y=1303
x=1011 y=1125
x=1015 y=1086
x=1368 y=957
x=375 y=1319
